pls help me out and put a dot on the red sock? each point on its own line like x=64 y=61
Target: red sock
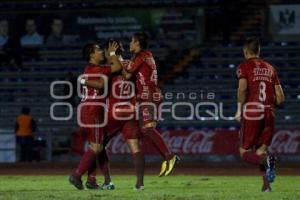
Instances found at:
x=159 y=143
x=139 y=164
x=85 y=163
x=253 y=158
x=92 y=172
x=103 y=162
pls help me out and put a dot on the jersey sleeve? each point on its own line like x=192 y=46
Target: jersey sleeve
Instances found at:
x=242 y=71
x=103 y=70
x=134 y=65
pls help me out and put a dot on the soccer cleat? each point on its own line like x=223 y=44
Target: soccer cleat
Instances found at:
x=109 y=186
x=270 y=173
x=163 y=169
x=139 y=188
x=266 y=188
x=171 y=165
x=76 y=182
x=92 y=185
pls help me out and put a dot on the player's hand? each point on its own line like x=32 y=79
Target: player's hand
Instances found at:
x=125 y=63
x=237 y=116
x=83 y=81
x=112 y=47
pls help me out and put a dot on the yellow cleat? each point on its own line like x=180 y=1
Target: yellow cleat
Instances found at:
x=171 y=165
x=163 y=168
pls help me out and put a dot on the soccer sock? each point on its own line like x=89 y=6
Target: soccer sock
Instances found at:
x=86 y=161
x=262 y=169
x=92 y=172
x=103 y=162
x=139 y=164
x=159 y=143
x=253 y=158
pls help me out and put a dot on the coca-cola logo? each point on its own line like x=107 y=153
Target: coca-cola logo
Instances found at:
x=285 y=141
x=192 y=143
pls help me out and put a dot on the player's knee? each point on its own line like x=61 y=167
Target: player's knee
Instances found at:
x=149 y=125
x=261 y=151
x=242 y=151
x=134 y=145
x=97 y=148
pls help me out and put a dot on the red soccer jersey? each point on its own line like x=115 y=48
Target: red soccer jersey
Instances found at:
x=90 y=94
x=120 y=90
x=145 y=71
x=261 y=79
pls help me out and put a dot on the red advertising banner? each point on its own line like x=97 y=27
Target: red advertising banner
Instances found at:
x=209 y=142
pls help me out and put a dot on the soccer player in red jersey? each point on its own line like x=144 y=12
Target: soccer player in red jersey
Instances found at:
x=143 y=68
x=259 y=92
x=91 y=109
x=120 y=104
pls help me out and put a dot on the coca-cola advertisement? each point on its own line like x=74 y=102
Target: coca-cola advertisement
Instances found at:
x=286 y=142
x=214 y=142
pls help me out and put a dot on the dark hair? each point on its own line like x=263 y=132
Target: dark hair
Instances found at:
x=87 y=50
x=25 y=110
x=120 y=50
x=252 y=45
x=143 y=39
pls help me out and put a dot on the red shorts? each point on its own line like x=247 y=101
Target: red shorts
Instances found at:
x=149 y=113
x=149 y=106
x=129 y=128
x=90 y=120
x=255 y=133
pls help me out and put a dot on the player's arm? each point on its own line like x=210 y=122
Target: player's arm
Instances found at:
x=126 y=74
x=97 y=84
x=115 y=63
x=279 y=95
x=241 y=96
x=133 y=66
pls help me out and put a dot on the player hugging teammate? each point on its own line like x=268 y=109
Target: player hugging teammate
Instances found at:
x=259 y=92
x=117 y=107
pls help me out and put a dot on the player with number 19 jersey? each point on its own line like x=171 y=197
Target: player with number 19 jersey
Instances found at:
x=122 y=96
x=261 y=79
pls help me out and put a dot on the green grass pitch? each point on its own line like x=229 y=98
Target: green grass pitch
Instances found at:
x=166 y=188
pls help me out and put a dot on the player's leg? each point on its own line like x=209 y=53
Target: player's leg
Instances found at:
x=250 y=130
x=265 y=140
x=149 y=130
x=131 y=133
x=102 y=161
x=104 y=165
x=139 y=162
x=250 y=135
x=266 y=187
x=95 y=138
x=91 y=182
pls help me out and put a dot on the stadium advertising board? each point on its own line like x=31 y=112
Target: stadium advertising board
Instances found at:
x=206 y=142
x=284 y=20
